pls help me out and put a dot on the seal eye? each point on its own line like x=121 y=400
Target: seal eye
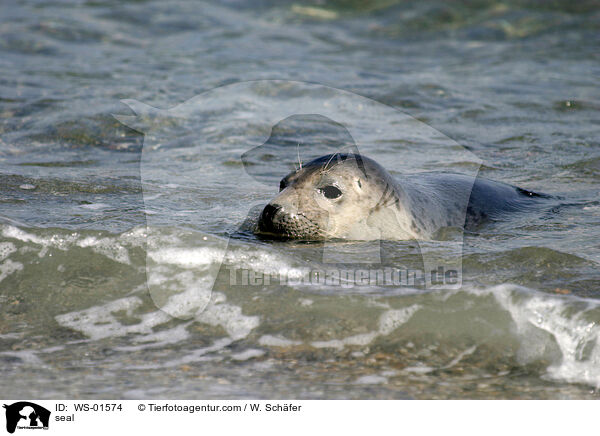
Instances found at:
x=282 y=185
x=331 y=192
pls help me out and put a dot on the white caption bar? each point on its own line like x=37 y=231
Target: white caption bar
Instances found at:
x=246 y=417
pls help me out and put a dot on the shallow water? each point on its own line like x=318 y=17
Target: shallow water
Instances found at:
x=117 y=248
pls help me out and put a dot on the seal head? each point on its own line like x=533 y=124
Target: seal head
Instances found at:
x=343 y=196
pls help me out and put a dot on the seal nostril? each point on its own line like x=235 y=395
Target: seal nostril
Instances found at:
x=268 y=213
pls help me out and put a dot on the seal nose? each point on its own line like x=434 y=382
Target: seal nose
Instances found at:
x=267 y=215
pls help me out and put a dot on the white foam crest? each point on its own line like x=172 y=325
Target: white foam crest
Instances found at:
x=196 y=355
x=60 y=242
x=95 y=206
x=136 y=237
x=264 y=262
x=217 y=313
x=206 y=257
x=158 y=339
x=248 y=354
x=8 y=267
x=6 y=249
x=373 y=379
x=188 y=293
x=195 y=297
x=187 y=257
x=180 y=294
x=101 y=322
x=389 y=321
x=107 y=247
x=158 y=238
x=419 y=369
x=424 y=369
x=277 y=341
x=573 y=322
x=26 y=356
x=229 y=317
x=98 y=322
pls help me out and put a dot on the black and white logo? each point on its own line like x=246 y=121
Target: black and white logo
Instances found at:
x=26 y=415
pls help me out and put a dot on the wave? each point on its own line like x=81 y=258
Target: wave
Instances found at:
x=494 y=329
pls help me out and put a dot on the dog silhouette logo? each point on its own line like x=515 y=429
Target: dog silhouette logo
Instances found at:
x=280 y=123
x=26 y=415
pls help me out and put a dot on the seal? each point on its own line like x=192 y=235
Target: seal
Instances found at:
x=350 y=196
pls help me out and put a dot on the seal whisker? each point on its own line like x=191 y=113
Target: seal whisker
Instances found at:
x=329 y=161
x=337 y=152
x=387 y=198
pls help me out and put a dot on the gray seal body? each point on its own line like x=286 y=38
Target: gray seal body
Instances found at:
x=349 y=196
